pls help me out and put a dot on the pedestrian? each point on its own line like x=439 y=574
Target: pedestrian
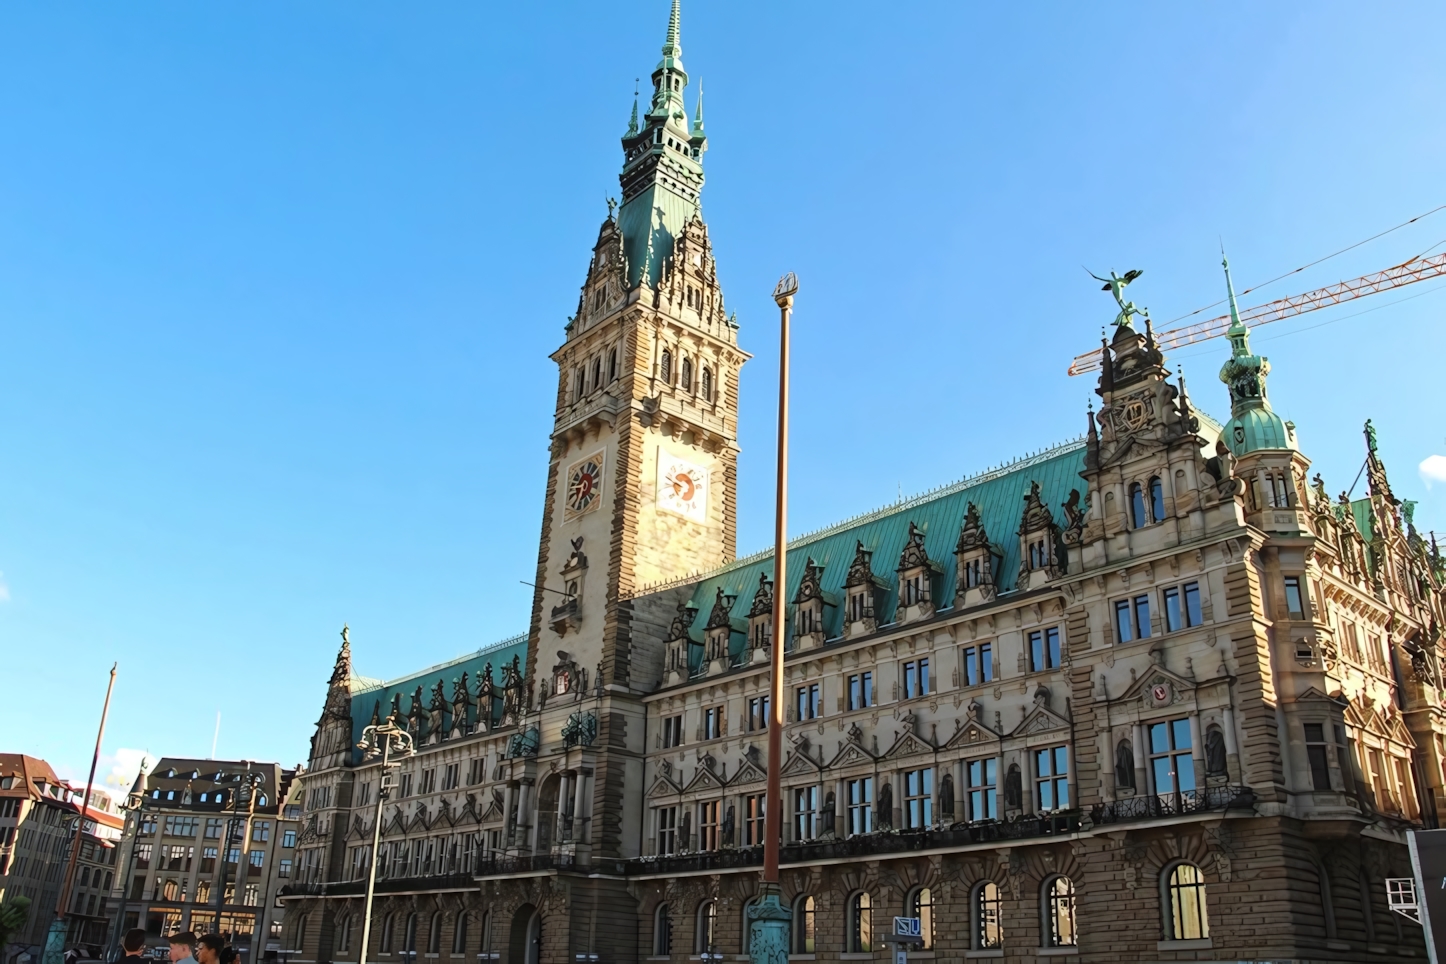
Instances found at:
x=210 y=949
x=183 y=948
x=134 y=943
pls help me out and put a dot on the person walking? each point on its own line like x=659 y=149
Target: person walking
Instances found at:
x=134 y=943
x=183 y=948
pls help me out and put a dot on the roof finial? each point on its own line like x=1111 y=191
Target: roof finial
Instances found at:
x=1238 y=337
x=698 y=113
x=633 y=122
x=671 y=47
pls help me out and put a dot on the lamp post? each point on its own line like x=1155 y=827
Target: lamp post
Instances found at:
x=768 y=918
x=379 y=742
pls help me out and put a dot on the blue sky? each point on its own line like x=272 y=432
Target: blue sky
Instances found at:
x=278 y=284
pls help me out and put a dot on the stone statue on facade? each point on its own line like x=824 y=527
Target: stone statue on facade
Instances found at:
x=1013 y=789
x=946 y=797
x=886 y=806
x=1215 y=752
x=1124 y=766
x=1116 y=285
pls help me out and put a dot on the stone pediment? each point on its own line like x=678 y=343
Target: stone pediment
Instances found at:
x=1313 y=695
x=494 y=808
x=704 y=779
x=850 y=754
x=800 y=764
x=748 y=773
x=1159 y=687
x=1396 y=727
x=357 y=832
x=907 y=742
x=396 y=824
x=664 y=786
x=972 y=733
x=1040 y=720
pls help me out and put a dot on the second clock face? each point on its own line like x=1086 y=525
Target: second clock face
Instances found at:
x=682 y=487
x=584 y=485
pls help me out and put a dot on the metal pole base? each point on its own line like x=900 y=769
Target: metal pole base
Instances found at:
x=769 y=921
x=55 y=942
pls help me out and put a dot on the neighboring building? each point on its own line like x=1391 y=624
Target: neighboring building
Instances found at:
x=38 y=811
x=184 y=836
x=1149 y=695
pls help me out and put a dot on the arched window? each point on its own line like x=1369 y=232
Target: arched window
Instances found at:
x=988 y=929
x=804 y=936
x=1059 y=913
x=459 y=935
x=705 y=929
x=707 y=384
x=409 y=936
x=387 y=933
x=1138 y=519
x=1185 y=915
x=662 y=932
x=665 y=367
x=1157 y=500
x=921 y=905
x=861 y=924
x=299 y=937
x=486 y=933
x=434 y=934
x=687 y=381
x=747 y=921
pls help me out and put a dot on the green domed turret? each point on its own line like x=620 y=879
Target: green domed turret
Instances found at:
x=1253 y=424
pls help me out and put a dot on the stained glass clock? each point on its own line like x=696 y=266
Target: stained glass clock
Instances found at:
x=584 y=485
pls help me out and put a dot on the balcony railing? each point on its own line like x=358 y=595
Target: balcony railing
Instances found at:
x=1151 y=806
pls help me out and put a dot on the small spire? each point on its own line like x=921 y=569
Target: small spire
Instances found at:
x=698 y=113
x=1239 y=337
x=341 y=671
x=633 y=121
x=671 y=47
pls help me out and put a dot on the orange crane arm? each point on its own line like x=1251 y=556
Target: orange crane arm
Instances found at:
x=1417 y=269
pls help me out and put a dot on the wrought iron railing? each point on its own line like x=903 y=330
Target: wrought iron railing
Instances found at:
x=1150 y=806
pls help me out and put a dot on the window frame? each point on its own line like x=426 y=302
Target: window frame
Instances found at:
x=1045 y=649
x=860 y=923
x=986 y=911
x=1172 y=754
x=802 y=940
x=920 y=903
x=978 y=664
x=1054 y=779
x=808 y=701
x=1175 y=893
x=861 y=690
x=918 y=798
x=1059 y=904
x=916 y=678
x=859 y=807
x=983 y=795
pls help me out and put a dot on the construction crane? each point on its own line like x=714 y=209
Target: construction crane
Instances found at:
x=1409 y=272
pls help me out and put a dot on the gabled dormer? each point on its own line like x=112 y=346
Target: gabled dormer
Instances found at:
x=718 y=633
x=760 y=620
x=810 y=608
x=677 y=648
x=862 y=592
x=918 y=580
x=975 y=560
x=461 y=708
x=1040 y=552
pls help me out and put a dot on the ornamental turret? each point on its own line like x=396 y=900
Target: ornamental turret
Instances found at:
x=1253 y=424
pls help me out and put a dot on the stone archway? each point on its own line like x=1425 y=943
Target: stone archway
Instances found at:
x=524 y=945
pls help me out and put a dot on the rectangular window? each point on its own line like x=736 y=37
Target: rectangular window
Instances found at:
x=861 y=691
x=1044 y=649
x=753 y=814
x=1317 y=754
x=809 y=702
x=288 y=838
x=284 y=868
x=805 y=813
x=1343 y=759
x=919 y=798
x=143 y=856
x=667 y=829
x=181 y=826
x=364 y=793
x=208 y=860
x=1172 y=762
x=708 y=825
x=261 y=830
x=978 y=664
x=474 y=773
x=1132 y=618
x=712 y=722
x=1182 y=607
x=982 y=779
x=148 y=824
x=256 y=857
x=861 y=806
x=1352 y=641
x=405 y=788
x=429 y=780
x=916 y=678
x=758 y=712
x=1051 y=778
x=1293 y=605
x=449 y=776
x=673 y=731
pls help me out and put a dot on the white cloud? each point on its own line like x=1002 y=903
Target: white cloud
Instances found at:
x=119 y=770
x=1433 y=469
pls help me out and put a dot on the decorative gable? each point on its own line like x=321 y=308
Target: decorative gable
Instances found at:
x=861 y=594
x=760 y=614
x=748 y=772
x=704 y=779
x=907 y=742
x=917 y=575
x=1159 y=688
x=975 y=559
x=809 y=619
x=663 y=784
x=1040 y=554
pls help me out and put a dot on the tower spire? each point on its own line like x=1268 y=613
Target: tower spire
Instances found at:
x=698 y=111
x=671 y=46
x=1253 y=424
x=1239 y=334
x=341 y=671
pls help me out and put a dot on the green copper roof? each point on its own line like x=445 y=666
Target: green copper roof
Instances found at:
x=1253 y=424
x=999 y=495
x=379 y=694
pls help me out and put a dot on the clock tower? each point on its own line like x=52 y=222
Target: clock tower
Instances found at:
x=643 y=464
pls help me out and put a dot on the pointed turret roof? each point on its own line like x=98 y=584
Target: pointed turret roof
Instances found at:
x=1253 y=424
x=341 y=671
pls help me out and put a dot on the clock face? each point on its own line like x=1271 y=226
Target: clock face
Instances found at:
x=584 y=485
x=682 y=487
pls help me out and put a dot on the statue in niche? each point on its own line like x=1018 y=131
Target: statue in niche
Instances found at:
x=829 y=804
x=946 y=796
x=1124 y=765
x=1013 y=789
x=686 y=843
x=886 y=806
x=1215 y=753
x=729 y=823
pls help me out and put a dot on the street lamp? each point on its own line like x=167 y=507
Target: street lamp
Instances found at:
x=380 y=742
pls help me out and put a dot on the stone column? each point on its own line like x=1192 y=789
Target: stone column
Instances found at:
x=579 y=798
x=1232 y=749
x=1142 y=758
x=508 y=824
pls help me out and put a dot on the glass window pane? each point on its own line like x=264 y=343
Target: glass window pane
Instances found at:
x=1123 y=626
x=1192 y=604
x=1142 y=617
x=1159 y=738
x=1172 y=610
x=986 y=661
x=1181 y=733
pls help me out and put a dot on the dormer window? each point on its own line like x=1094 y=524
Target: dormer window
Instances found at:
x=760 y=614
x=1039 y=548
x=1038 y=554
x=973 y=572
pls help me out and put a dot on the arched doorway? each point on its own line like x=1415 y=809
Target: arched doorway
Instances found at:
x=547 y=811
x=524 y=945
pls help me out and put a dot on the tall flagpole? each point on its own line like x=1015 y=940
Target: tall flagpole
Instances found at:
x=769 y=927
